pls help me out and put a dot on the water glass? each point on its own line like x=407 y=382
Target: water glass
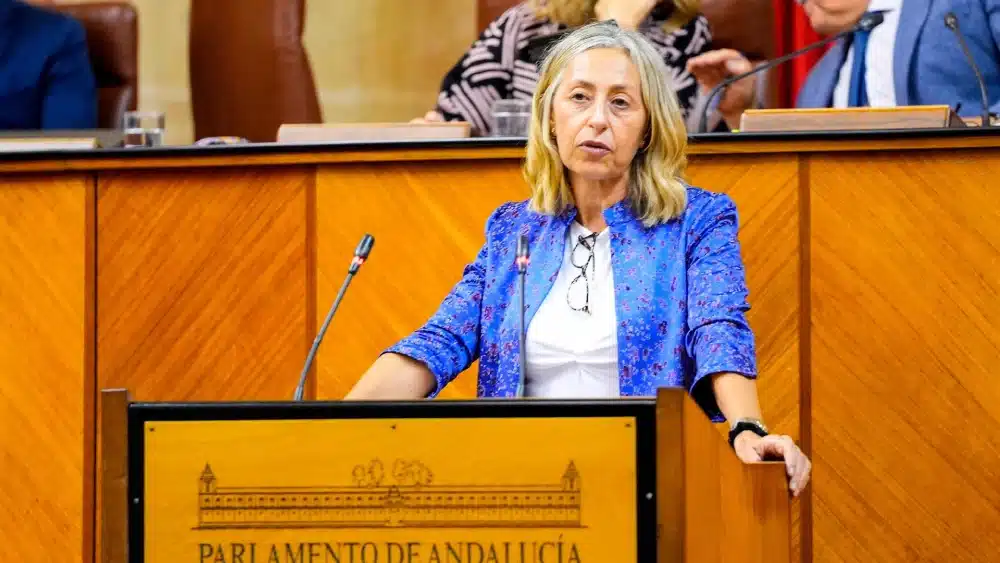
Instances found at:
x=511 y=118
x=144 y=128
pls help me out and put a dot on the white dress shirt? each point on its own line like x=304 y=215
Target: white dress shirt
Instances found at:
x=570 y=353
x=878 y=60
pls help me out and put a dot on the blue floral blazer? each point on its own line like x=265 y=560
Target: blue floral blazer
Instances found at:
x=680 y=293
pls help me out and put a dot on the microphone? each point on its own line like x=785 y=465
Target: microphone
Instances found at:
x=951 y=21
x=521 y=260
x=868 y=22
x=360 y=255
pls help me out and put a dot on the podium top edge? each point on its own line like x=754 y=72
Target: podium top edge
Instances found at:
x=505 y=401
x=471 y=408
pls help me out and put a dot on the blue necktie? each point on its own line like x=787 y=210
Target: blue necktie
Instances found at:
x=857 y=95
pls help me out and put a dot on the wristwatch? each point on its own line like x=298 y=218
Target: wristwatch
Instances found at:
x=744 y=424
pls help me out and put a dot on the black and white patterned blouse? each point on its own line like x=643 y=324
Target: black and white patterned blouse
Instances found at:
x=503 y=63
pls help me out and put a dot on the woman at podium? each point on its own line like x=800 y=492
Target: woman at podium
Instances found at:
x=635 y=279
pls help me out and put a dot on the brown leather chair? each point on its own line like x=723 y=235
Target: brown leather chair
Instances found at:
x=113 y=42
x=249 y=70
x=744 y=25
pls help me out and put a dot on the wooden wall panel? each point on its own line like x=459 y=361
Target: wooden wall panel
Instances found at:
x=207 y=289
x=905 y=342
x=46 y=489
x=766 y=192
x=203 y=278
x=428 y=220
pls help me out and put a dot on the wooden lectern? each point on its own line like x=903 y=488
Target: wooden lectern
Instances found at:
x=608 y=481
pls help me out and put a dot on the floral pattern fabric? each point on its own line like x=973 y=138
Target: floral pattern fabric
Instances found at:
x=680 y=297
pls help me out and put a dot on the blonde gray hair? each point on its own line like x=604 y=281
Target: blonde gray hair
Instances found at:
x=656 y=188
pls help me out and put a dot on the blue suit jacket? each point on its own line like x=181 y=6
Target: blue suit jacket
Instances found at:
x=46 y=81
x=928 y=65
x=680 y=300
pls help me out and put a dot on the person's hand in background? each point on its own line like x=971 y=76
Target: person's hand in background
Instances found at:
x=628 y=13
x=429 y=117
x=711 y=68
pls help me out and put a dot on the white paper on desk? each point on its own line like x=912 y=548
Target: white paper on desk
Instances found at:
x=33 y=145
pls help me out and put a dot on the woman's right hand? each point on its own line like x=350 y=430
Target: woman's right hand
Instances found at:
x=711 y=68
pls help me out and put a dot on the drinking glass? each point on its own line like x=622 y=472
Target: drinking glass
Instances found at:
x=144 y=128
x=511 y=118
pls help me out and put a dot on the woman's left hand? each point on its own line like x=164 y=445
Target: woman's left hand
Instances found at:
x=628 y=13
x=752 y=448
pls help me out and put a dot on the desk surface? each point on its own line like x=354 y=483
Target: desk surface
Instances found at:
x=477 y=149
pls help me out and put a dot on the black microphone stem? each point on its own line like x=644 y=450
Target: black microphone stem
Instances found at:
x=868 y=22
x=300 y=390
x=360 y=255
x=521 y=262
x=951 y=22
x=520 y=330
x=703 y=123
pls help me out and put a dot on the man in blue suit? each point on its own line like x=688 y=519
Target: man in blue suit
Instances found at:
x=46 y=81
x=912 y=58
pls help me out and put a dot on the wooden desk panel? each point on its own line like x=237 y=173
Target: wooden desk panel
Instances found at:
x=428 y=220
x=766 y=192
x=46 y=365
x=905 y=342
x=204 y=277
x=871 y=265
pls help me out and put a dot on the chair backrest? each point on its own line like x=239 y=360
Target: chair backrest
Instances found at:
x=744 y=25
x=249 y=69
x=113 y=42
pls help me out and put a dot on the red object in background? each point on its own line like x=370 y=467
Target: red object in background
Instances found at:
x=792 y=31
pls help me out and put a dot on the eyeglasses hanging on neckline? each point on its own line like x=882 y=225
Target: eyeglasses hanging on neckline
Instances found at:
x=582 y=258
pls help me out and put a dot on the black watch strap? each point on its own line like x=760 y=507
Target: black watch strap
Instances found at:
x=742 y=426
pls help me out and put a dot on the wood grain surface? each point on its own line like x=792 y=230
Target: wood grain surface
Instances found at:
x=202 y=283
x=766 y=192
x=46 y=443
x=905 y=341
x=872 y=269
x=428 y=220
x=111 y=510
x=713 y=508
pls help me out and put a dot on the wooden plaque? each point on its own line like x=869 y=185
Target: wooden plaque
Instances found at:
x=392 y=489
x=850 y=119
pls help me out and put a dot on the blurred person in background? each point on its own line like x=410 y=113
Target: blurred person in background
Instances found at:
x=911 y=59
x=503 y=62
x=46 y=81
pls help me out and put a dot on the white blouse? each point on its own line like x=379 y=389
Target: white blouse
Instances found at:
x=570 y=353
